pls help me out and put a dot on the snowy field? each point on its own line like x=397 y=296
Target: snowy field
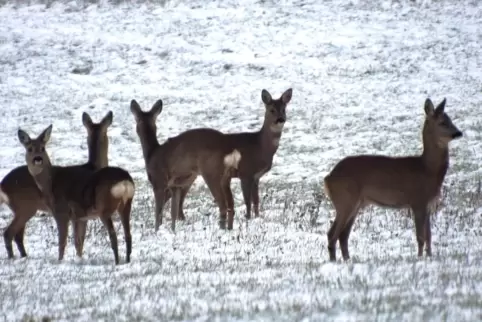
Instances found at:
x=360 y=72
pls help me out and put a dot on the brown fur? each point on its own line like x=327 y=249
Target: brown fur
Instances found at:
x=24 y=198
x=412 y=182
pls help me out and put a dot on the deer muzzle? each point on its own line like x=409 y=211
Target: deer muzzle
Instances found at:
x=457 y=135
x=38 y=160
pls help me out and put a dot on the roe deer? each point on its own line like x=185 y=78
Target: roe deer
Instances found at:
x=77 y=194
x=19 y=191
x=412 y=182
x=256 y=150
x=173 y=166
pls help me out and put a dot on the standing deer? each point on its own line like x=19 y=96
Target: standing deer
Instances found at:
x=412 y=182
x=218 y=157
x=19 y=191
x=173 y=166
x=77 y=194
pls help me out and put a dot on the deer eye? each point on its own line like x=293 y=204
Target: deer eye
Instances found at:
x=30 y=150
x=42 y=149
x=273 y=111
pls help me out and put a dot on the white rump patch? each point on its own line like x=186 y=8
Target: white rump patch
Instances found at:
x=232 y=160
x=277 y=128
x=123 y=189
x=3 y=197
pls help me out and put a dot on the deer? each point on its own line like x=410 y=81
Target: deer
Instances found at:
x=78 y=194
x=408 y=182
x=172 y=167
x=224 y=153
x=19 y=191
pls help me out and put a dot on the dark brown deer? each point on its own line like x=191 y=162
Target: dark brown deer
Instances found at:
x=78 y=194
x=19 y=191
x=412 y=182
x=173 y=166
x=216 y=156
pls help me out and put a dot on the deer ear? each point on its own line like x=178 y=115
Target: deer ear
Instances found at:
x=429 y=108
x=266 y=97
x=45 y=135
x=135 y=109
x=286 y=97
x=156 y=109
x=107 y=120
x=440 y=110
x=23 y=137
x=86 y=120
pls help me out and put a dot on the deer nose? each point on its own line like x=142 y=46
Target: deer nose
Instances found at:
x=280 y=120
x=37 y=160
x=457 y=135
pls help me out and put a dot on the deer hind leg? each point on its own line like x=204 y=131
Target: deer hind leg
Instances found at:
x=16 y=230
x=80 y=229
x=125 y=216
x=420 y=215
x=184 y=192
x=255 y=196
x=229 y=200
x=109 y=226
x=214 y=183
x=175 y=201
x=247 y=186
x=346 y=202
x=161 y=195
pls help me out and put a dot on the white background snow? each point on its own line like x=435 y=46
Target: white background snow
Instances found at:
x=360 y=73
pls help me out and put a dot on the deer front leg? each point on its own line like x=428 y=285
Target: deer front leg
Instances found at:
x=420 y=215
x=160 y=199
x=175 y=202
x=255 y=196
x=63 y=230
x=247 y=184
x=428 y=236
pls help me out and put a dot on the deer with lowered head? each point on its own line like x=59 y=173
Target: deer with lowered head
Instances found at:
x=412 y=182
x=77 y=194
x=19 y=191
x=173 y=166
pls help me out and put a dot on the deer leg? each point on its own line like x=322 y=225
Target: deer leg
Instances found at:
x=255 y=196
x=19 y=242
x=63 y=230
x=109 y=226
x=420 y=218
x=160 y=199
x=214 y=183
x=428 y=236
x=125 y=216
x=345 y=212
x=184 y=192
x=247 y=185
x=343 y=238
x=229 y=200
x=80 y=229
x=175 y=201
x=16 y=230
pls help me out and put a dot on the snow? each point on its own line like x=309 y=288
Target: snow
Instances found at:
x=360 y=73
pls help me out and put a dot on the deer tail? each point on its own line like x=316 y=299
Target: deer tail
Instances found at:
x=123 y=190
x=3 y=197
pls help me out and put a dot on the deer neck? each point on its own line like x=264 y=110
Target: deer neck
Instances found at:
x=270 y=135
x=43 y=180
x=435 y=157
x=98 y=153
x=149 y=143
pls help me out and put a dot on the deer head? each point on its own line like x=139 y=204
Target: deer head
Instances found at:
x=97 y=139
x=275 y=115
x=36 y=156
x=438 y=125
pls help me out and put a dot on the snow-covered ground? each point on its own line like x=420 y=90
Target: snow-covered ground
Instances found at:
x=360 y=72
